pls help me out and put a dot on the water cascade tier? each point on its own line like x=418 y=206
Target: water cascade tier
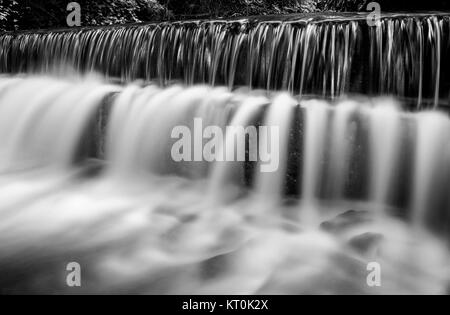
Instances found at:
x=204 y=190
x=326 y=55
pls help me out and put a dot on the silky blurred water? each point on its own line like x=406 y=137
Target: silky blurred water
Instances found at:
x=139 y=222
x=326 y=54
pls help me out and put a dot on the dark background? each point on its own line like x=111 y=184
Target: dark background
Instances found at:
x=34 y=14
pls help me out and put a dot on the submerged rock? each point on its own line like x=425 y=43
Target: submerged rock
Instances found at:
x=345 y=221
x=367 y=244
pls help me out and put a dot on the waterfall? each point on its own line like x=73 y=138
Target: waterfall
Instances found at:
x=223 y=170
x=28 y=125
x=329 y=56
x=430 y=167
x=271 y=184
x=249 y=156
x=342 y=144
x=385 y=143
x=56 y=190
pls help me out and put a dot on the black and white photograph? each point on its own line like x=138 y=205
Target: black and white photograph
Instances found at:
x=224 y=148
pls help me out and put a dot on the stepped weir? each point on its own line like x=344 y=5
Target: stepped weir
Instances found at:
x=252 y=156
x=321 y=55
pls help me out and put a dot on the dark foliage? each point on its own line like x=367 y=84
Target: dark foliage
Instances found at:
x=230 y=8
x=33 y=14
x=8 y=13
x=386 y=5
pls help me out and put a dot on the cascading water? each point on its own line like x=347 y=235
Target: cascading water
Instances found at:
x=225 y=157
x=157 y=225
x=320 y=55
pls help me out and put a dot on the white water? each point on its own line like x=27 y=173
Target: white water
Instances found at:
x=316 y=113
x=224 y=172
x=384 y=143
x=341 y=145
x=431 y=165
x=147 y=224
x=270 y=184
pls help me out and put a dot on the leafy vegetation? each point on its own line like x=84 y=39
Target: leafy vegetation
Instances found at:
x=33 y=14
x=230 y=8
x=8 y=13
